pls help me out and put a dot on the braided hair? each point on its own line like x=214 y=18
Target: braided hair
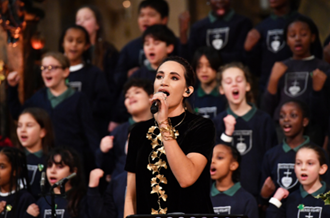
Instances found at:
x=19 y=173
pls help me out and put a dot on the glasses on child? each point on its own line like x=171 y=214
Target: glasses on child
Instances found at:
x=50 y=68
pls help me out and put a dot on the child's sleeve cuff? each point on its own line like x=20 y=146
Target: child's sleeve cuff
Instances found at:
x=275 y=202
x=226 y=138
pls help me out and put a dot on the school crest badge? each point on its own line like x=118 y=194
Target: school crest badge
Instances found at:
x=76 y=85
x=222 y=210
x=217 y=38
x=295 y=83
x=59 y=213
x=242 y=139
x=275 y=41
x=310 y=212
x=286 y=176
x=143 y=61
x=32 y=170
x=206 y=112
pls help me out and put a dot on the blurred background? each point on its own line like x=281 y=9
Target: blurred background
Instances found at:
x=120 y=17
x=45 y=20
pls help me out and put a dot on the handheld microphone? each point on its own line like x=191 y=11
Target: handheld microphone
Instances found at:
x=42 y=183
x=64 y=180
x=155 y=105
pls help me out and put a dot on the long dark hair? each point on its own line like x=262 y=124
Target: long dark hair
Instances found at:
x=211 y=55
x=101 y=47
x=189 y=75
x=86 y=54
x=189 y=72
x=70 y=158
x=19 y=173
x=42 y=118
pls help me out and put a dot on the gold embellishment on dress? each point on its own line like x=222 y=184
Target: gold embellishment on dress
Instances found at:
x=156 y=164
x=162 y=178
x=163 y=211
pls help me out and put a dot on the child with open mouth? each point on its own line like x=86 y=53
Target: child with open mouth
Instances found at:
x=278 y=163
x=302 y=77
x=310 y=164
x=227 y=195
x=244 y=126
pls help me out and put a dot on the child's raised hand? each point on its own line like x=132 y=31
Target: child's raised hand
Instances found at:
x=184 y=20
x=106 y=144
x=251 y=39
x=2 y=206
x=131 y=71
x=94 y=177
x=268 y=188
x=112 y=126
x=277 y=72
x=33 y=210
x=13 y=78
x=230 y=122
x=319 y=78
x=281 y=193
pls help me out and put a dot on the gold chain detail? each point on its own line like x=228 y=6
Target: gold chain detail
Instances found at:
x=155 y=161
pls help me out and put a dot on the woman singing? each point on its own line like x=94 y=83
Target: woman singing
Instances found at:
x=168 y=158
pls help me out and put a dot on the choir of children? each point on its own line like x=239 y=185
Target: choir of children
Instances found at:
x=207 y=101
x=60 y=126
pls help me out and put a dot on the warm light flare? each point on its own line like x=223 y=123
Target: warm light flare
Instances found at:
x=127 y=4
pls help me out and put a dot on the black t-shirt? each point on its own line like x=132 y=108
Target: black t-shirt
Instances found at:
x=196 y=135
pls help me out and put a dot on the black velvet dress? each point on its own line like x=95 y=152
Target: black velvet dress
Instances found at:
x=157 y=190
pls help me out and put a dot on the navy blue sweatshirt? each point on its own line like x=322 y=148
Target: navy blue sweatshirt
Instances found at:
x=116 y=157
x=297 y=83
x=131 y=55
x=254 y=134
x=235 y=200
x=145 y=72
x=89 y=206
x=272 y=46
x=207 y=105
x=226 y=34
x=114 y=197
x=110 y=59
x=72 y=119
x=92 y=81
x=118 y=189
x=278 y=163
x=35 y=165
x=300 y=204
x=111 y=204
x=16 y=205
